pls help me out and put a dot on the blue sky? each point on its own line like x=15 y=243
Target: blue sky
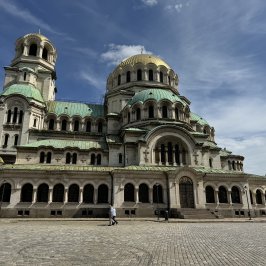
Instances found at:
x=216 y=47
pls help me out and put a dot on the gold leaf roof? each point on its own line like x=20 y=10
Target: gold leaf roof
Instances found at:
x=144 y=59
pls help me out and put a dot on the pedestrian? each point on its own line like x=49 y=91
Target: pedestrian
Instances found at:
x=112 y=215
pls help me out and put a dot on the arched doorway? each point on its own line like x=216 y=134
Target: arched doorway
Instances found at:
x=186 y=193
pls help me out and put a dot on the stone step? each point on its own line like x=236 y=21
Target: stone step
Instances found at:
x=196 y=214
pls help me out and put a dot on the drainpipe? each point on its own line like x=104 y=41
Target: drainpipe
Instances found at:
x=112 y=187
x=167 y=190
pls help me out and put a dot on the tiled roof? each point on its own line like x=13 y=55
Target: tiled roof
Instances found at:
x=154 y=94
x=72 y=109
x=63 y=144
x=26 y=90
x=198 y=119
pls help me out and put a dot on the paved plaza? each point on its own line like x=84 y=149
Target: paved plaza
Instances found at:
x=131 y=243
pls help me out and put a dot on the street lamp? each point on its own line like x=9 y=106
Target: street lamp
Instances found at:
x=246 y=190
x=157 y=193
x=2 y=195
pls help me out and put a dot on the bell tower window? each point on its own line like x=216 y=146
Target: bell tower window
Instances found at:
x=150 y=75
x=33 y=49
x=128 y=76
x=151 y=111
x=25 y=76
x=15 y=115
x=139 y=75
x=161 y=76
x=45 y=53
x=119 y=80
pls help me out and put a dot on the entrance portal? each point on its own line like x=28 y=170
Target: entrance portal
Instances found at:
x=186 y=193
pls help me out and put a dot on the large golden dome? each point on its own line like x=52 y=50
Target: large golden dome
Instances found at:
x=144 y=59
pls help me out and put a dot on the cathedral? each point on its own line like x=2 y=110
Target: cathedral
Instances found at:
x=143 y=150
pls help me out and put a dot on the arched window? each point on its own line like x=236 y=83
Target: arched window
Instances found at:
x=103 y=194
x=209 y=191
x=119 y=80
x=143 y=193
x=45 y=53
x=26 y=193
x=128 y=76
x=68 y=158
x=33 y=49
x=151 y=111
x=233 y=165
x=128 y=117
x=100 y=127
x=222 y=193
x=76 y=125
x=210 y=162
x=120 y=158
x=51 y=124
x=150 y=75
x=92 y=159
x=64 y=125
x=15 y=115
x=258 y=197
x=99 y=159
x=163 y=153
x=161 y=76
x=5 y=192
x=88 y=194
x=8 y=120
x=73 y=193
x=177 y=158
x=169 y=80
x=34 y=122
x=129 y=192
x=49 y=157
x=58 y=193
x=88 y=126
x=170 y=152
x=6 y=140
x=20 y=119
x=139 y=75
x=157 y=193
x=229 y=165
x=42 y=156
x=42 y=193
x=164 y=111
x=25 y=76
x=138 y=114
x=235 y=195
x=74 y=158
x=176 y=114
x=15 y=140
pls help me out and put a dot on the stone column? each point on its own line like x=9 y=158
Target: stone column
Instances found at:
x=160 y=157
x=174 y=159
x=66 y=195
x=50 y=195
x=229 y=197
x=80 y=195
x=216 y=197
x=137 y=195
x=34 y=198
x=180 y=159
x=151 y=195
x=95 y=196
x=166 y=157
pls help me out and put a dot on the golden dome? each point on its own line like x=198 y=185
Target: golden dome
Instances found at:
x=144 y=59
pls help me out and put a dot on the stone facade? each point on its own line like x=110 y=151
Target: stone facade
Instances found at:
x=143 y=150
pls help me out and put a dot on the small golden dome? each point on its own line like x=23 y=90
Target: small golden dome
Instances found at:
x=144 y=59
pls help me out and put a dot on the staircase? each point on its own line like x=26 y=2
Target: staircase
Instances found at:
x=197 y=214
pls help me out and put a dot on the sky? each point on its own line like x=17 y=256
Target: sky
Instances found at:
x=216 y=47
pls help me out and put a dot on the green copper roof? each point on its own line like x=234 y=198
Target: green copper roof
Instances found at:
x=198 y=119
x=71 y=109
x=63 y=144
x=26 y=90
x=155 y=94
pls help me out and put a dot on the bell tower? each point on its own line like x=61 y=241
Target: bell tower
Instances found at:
x=34 y=64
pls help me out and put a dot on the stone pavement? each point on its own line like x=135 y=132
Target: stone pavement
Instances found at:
x=70 y=242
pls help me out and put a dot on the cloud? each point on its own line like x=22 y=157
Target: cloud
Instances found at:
x=150 y=2
x=92 y=79
x=176 y=6
x=116 y=53
x=28 y=17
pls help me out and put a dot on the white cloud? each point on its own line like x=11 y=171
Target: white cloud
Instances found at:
x=116 y=53
x=92 y=79
x=150 y=2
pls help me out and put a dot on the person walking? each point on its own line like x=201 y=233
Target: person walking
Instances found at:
x=112 y=216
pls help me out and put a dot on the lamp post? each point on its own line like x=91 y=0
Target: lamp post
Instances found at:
x=157 y=193
x=2 y=196
x=246 y=191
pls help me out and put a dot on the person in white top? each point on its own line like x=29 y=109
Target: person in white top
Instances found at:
x=112 y=215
